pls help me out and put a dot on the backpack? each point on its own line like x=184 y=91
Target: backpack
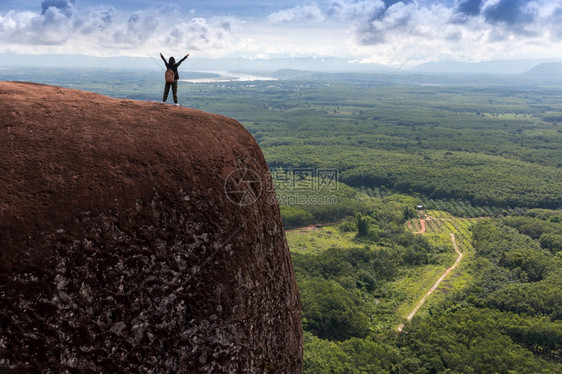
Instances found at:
x=170 y=76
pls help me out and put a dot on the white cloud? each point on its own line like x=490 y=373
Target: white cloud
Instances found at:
x=200 y=34
x=384 y=31
x=99 y=20
x=354 y=10
x=306 y=13
x=395 y=19
x=390 y=30
x=64 y=6
x=52 y=27
x=60 y=28
x=140 y=27
x=501 y=19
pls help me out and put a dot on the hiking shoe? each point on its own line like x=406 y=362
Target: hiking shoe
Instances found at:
x=176 y=104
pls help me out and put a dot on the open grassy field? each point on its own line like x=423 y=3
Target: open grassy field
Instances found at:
x=402 y=294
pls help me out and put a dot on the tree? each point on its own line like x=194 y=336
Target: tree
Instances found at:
x=362 y=225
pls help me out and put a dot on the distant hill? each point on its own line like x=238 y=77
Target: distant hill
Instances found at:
x=546 y=71
x=284 y=68
x=317 y=64
x=485 y=67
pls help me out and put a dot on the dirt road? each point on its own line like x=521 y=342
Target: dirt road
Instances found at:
x=418 y=306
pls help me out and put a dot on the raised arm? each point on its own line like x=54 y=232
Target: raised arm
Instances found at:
x=163 y=59
x=182 y=60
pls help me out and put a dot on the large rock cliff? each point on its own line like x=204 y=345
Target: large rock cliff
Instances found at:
x=138 y=237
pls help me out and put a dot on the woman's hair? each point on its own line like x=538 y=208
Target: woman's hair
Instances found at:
x=172 y=60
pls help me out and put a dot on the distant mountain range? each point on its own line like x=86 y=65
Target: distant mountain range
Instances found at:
x=485 y=67
x=534 y=68
x=324 y=64
x=546 y=71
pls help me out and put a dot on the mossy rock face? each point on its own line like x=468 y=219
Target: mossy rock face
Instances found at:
x=138 y=237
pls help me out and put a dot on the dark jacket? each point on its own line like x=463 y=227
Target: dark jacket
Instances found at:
x=172 y=64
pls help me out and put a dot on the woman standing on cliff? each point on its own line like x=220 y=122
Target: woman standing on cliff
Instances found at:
x=172 y=65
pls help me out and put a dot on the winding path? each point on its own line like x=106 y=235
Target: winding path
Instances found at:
x=413 y=312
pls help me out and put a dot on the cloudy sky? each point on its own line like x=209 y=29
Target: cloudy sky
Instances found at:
x=381 y=31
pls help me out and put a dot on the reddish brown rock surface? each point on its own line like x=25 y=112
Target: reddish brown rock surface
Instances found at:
x=121 y=251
